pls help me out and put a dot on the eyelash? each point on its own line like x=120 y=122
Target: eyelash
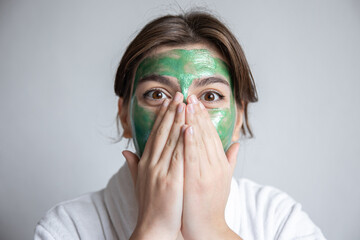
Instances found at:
x=221 y=97
x=147 y=93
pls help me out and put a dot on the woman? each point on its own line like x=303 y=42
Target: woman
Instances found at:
x=184 y=86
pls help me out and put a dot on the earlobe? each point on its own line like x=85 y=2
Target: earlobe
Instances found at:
x=238 y=123
x=123 y=114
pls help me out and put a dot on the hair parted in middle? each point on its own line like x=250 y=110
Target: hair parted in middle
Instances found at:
x=189 y=28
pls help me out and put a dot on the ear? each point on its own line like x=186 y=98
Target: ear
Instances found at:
x=123 y=112
x=238 y=122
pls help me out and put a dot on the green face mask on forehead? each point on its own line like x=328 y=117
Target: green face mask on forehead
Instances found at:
x=186 y=66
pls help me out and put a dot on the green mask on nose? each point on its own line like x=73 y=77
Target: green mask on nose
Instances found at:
x=185 y=66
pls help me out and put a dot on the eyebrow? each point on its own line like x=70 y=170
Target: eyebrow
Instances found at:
x=160 y=79
x=210 y=80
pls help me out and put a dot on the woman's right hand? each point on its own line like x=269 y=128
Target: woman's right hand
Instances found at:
x=159 y=174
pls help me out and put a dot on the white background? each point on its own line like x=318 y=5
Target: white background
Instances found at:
x=57 y=106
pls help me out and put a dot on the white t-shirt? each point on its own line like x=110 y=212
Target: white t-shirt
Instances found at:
x=252 y=211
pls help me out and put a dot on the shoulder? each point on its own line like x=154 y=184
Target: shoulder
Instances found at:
x=73 y=219
x=263 y=196
x=274 y=213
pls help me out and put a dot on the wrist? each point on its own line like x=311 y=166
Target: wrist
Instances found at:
x=142 y=232
x=214 y=233
x=224 y=233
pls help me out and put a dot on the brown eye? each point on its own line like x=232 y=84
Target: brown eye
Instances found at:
x=209 y=96
x=157 y=94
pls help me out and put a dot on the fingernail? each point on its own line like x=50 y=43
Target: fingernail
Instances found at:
x=201 y=105
x=191 y=130
x=177 y=97
x=165 y=103
x=180 y=108
x=193 y=99
x=191 y=108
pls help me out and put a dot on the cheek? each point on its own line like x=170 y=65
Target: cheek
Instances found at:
x=142 y=121
x=224 y=121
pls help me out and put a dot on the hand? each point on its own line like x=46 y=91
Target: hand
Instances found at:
x=158 y=176
x=208 y=172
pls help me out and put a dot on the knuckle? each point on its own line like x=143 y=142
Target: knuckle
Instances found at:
x=161 y=130
x=191 y=159
x=151 y=169
x=176 y=156
x=162 y=181
x=170 y=142
x=177 y=121
x=171 y=184
x=172 y=107
x=190 y=118
x=152 y=165
x=200 y=186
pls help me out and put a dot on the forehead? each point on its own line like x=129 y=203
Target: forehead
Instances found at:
x=163 y=49
x=183 y=62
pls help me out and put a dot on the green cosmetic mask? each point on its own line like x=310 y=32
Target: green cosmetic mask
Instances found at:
x=185 y=66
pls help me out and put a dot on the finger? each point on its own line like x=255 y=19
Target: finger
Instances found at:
x=163 y=131
x=160 y=116
x=176 y=168
x=198 y=140
x=191 y=158
x=231 y=155
x=203 y=117
x=132 y=161
x=207 y=132
x=173 y=138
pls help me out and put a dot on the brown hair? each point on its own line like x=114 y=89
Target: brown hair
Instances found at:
x=188 y=28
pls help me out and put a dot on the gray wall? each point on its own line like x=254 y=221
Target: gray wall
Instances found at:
x=57 y=64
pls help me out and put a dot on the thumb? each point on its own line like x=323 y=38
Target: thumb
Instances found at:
x=132 y=161
x=231 y=154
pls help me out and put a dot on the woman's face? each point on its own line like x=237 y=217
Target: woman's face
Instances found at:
x=192 y=70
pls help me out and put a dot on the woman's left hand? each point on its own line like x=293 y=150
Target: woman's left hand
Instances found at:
x=207 y=177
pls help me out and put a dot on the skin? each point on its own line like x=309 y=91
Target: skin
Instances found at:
x=208 y=171
x=184 y=66
x=182 y=180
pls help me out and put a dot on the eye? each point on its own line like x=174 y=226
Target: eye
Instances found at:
x=155 y=94
x=211 y=96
